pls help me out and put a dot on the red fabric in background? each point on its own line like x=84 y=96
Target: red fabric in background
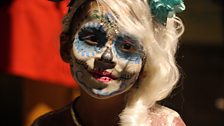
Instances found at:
x=32 y=47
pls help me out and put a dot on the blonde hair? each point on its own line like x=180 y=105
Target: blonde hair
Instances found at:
x=160 y=44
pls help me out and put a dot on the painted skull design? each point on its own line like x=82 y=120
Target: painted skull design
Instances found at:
x=106 y=62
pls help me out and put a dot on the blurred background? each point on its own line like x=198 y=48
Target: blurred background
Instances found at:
x=34 y=79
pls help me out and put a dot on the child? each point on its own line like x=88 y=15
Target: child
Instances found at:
x=121 y=53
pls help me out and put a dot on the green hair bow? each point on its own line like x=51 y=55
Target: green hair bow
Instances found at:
x=163 y=9
x=160 y=9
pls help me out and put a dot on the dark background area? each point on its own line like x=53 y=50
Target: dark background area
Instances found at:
x=199 y=97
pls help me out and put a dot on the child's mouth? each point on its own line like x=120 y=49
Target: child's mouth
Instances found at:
x=103 y=76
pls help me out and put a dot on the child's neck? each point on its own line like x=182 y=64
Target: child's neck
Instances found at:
x=98 y=112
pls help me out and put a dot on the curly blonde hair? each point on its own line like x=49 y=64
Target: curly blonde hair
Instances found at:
x=160 y=43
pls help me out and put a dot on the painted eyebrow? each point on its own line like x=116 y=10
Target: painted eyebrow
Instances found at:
x=133 y=41
x=129 y=40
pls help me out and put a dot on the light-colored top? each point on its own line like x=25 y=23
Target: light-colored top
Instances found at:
x=163 y=116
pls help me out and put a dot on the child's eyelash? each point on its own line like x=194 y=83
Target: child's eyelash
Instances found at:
x=127 y=42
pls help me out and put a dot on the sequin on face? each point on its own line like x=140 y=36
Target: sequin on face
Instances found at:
x=106 y=63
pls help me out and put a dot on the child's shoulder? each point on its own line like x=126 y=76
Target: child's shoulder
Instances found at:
x=163 y=116
x=55 y=118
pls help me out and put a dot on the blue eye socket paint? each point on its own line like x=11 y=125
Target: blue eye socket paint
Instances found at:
x=93 y=32
x=132 y=46
x=93 y=25
x=127 y=48
x=90 y=39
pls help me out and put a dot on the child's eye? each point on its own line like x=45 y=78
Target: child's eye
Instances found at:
x=127 y=47
x=90 y=39
x=93 y=35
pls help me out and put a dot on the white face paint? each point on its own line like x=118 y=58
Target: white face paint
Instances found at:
x=105 y=63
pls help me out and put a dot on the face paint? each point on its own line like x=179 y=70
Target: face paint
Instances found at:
x=106 y=62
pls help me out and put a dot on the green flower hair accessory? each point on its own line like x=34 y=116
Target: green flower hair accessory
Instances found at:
x=160 y=9
x=163 y=9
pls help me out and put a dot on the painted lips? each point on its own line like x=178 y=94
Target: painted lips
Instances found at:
x=103 y=76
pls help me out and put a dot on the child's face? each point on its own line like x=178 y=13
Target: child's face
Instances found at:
x=105 y=61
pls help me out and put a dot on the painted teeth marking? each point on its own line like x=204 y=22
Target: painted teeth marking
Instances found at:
x=86 y=25
x=95 y=25
x=90 y=24
x=126 y=76
x=79 y=50
x=83 y=53
x=87 y=54
x=93 y=54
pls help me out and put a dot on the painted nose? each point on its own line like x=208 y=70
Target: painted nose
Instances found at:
x=105 y=61
x=107 y=56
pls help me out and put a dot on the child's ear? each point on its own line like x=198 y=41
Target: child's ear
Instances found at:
x=65 y=47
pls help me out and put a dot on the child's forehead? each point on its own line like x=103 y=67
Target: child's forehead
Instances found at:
x=99 y=14
x=96 y=9
x=93 y=6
